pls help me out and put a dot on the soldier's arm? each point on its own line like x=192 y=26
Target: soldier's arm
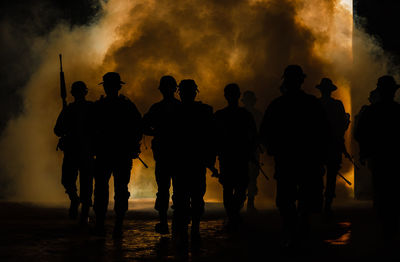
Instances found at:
x=253 y=135
x=148 y=122
x=267 y=126
x=345 y=119
x=60 y=127
x=137 y=123
x=323 y=130
x=212 y=138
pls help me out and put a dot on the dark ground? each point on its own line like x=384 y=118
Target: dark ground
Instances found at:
x=30 y=232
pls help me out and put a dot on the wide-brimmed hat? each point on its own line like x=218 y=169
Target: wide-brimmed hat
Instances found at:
x=326 y=84
x=112 y=77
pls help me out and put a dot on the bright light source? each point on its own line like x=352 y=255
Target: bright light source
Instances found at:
x=348 y=4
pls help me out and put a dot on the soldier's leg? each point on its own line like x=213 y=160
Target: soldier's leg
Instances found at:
x=252 y=188
x=163 y=179
x=197 y=192
x=122 y=175
x=68 y=180
x=228 y=188
x=102 y=176
x=310 y=195
x=241 y=184
x=386 y=194
x=228 y=197
x=286 y=196
x=181 y=204
x=333 y=168
x=86 y=188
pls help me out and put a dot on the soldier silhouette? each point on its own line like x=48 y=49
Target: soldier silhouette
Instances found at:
x=295 y=132
x=374 y=97
x=195 y=145
x=249 y=100
x=377 y=133
x=338 y=122
x=118 y=129
x=74 y=129
x=237 y=142
x=161 y=122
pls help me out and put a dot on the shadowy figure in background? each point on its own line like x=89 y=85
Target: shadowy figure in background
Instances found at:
x=249 y=100
x=338 y=123
x=237 y=143
x=75 y=131
x=374 y=97
x=161 y=123
x=295 y=132
x=118 y=129
x=195 y=145
x=377 y=133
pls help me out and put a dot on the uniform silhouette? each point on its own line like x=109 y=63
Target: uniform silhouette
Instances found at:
x=161 y=122
x=295 y=132
x=237 y=142
x=338 y=123
x=249 y=100
x=118 y=133
x=195 y=144
x=378 y=132
x=75 y=131
x=374 y=97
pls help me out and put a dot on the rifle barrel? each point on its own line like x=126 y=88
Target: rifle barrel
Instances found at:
x=144 y=164
x=345 y=179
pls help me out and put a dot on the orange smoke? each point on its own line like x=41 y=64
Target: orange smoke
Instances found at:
x=214 y=42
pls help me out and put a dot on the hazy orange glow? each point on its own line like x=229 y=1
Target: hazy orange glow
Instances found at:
x=248 y=42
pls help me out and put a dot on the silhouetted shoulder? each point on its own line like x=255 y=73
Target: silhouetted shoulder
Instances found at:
x=161 y=105
x=204 y=107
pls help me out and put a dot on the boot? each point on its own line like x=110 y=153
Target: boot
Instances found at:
x=195 y=232
x=328 y=212
x=117 y=233
x=99 y=228
x=162 y=227
x=84 y=218
x=250 y=205
x=73 y=209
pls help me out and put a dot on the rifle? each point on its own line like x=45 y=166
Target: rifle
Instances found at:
x=214 y=172
x=347 y=181
x=259 y=168
x=63 y=90
x=144 y=164
x=349 y=157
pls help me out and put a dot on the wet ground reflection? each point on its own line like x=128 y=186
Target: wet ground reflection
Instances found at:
x=33 y=233
x=343 y=239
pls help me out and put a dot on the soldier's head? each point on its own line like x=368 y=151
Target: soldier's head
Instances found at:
x=112 y=83
x=293 y=77
x=326 y=87
x=249 y=98
x=387 y=87
x=187 y=90
x=232 y=93
x=79 y=90
x=167 y=86
x=374 y=96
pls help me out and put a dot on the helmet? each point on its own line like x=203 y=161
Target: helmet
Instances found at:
x=167 y=82
x=111 y=77
x=293 y=71
x=78 y=87
x=187 y=84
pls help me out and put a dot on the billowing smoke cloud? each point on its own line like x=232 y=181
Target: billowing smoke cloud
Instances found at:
x=214 y=42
